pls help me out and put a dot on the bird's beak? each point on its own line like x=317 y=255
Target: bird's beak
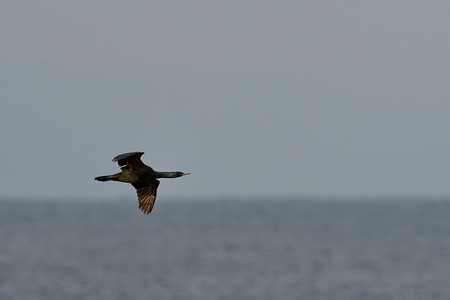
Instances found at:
x=186 y=174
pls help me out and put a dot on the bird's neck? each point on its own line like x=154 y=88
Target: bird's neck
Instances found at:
x=166 y=174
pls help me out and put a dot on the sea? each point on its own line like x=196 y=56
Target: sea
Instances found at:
x=226 y=249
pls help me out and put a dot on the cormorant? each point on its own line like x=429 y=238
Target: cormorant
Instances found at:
x=142 y=177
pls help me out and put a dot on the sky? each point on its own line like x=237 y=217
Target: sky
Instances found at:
x=254 y=98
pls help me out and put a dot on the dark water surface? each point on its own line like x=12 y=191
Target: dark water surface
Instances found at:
x=226 y=250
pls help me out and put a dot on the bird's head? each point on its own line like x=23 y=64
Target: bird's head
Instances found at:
x=179 y=174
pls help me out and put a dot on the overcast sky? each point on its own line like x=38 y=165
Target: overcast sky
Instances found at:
x=255 y=98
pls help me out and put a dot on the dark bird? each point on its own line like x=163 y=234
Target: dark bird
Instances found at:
x=142 y=177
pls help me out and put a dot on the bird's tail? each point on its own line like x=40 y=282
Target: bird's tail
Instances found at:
x=107 y=178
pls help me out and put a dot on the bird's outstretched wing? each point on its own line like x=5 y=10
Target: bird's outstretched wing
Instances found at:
x=131 y=159
x=146 y=193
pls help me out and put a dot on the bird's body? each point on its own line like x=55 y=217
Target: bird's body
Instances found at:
x=142 y=177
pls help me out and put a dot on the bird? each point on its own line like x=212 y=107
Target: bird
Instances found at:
x=142 y=177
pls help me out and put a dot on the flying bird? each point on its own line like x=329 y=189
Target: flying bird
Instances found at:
x=142 y=177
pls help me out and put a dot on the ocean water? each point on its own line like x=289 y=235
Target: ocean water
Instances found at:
x=226 y=249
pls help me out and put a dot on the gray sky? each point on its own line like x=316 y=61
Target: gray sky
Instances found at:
x=271 y=98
